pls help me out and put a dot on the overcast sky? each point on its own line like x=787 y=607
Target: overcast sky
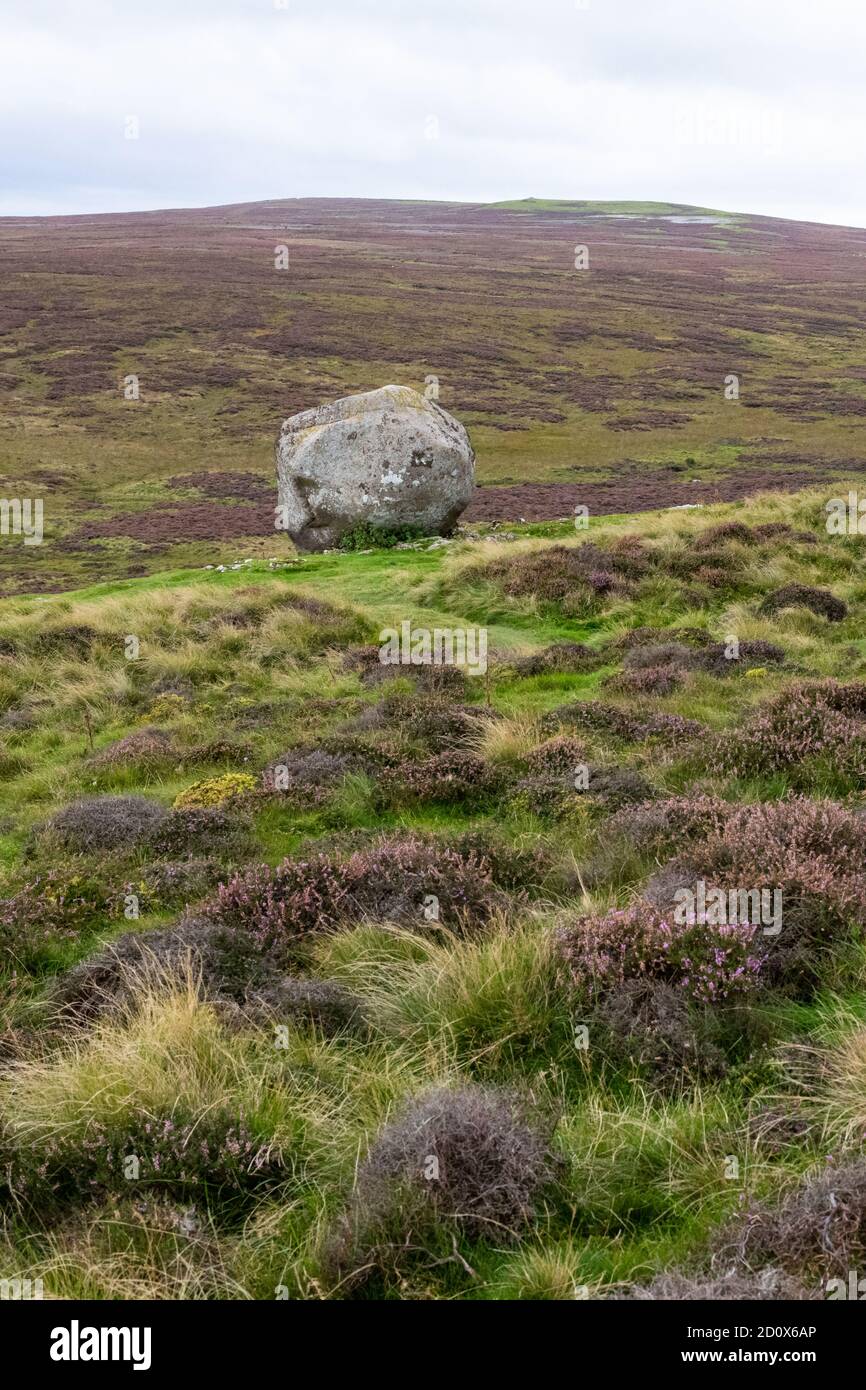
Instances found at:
x=748 y=105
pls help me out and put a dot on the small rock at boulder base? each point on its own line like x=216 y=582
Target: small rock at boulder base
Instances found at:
x=390 y=458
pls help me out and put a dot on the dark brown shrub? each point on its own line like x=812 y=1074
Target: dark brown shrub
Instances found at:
x=180 y=1153
x=650 y=654
x=552 y=795
x=436 y=723
x=169 y=883
x=773 y=530
x=715 y=661
x=213 y=831
x=71 y=640
x=711 y=657
x=456 y=777
x=361 y=753
x=219 y=750
x=514 y=868
x=769 y=1285
x=562 y=574
x=146 y=748
x=671 y=729
x=565 y=657
x=654 y=636
x=361 y=659
x=725 y=531
x=439 y=724
x=658 y=828
x=661 y=888
x=466 y=1162
x=105 y=822
x=651 y=1025
x=593 y=717
x=818 y=601
x=630 y=557
x=51 y=907
x=639 y=637
x=818 y=1230
x=562 y=753
x=323 y=1004
x=310 y=774
x=617 y=786
x=718 y=568
x=18 y=721
x=450 y=680
x=548 y=795
x=228 y=965
x=648 y=680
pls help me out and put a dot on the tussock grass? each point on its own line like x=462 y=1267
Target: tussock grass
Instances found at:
x=826 y=1076
x=489 y=1005
x=507 y=741
x=138 y=1252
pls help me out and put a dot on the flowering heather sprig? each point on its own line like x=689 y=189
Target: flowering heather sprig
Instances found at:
x=806 y=721
x=806 y=848
x=600 y=581
x=660 y=827
x=391 y=881
x=708 y=963
x=811 y=854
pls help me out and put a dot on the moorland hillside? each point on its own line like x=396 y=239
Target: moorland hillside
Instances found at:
x=326 y=979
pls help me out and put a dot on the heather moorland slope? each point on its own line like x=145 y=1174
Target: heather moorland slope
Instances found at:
x=602 y=386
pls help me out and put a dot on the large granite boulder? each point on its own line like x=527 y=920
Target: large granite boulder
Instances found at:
x=390 y=457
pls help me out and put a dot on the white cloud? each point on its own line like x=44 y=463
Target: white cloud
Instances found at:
x=728 y=103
